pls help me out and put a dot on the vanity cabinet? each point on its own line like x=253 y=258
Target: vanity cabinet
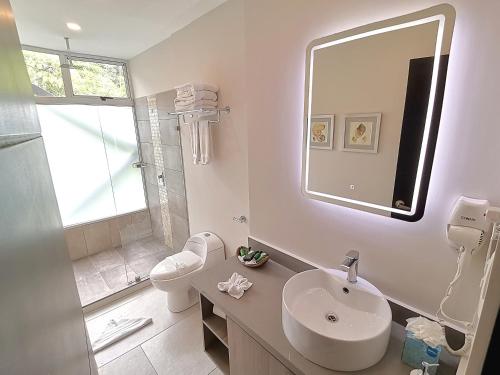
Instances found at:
x=232 y=349
x=248 y=357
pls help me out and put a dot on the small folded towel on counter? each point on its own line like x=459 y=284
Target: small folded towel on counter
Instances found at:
x=189 y=89
x=235 y=286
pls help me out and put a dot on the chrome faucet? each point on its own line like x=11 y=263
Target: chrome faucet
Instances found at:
x=350 y=265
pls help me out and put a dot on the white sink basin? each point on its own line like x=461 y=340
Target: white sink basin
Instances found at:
x=339 y=325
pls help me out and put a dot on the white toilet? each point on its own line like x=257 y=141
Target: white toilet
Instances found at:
x=173 y=274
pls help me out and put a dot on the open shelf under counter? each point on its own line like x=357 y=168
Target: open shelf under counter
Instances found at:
x=218 y=326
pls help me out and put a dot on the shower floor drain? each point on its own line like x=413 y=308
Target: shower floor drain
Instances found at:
x=331 y=317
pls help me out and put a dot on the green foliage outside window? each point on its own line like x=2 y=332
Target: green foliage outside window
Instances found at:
x=98 y=79
x=45 y=73
x=88 y=78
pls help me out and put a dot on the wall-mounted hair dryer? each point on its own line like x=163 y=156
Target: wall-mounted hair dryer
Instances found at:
x=468 y=224
x=465 y=232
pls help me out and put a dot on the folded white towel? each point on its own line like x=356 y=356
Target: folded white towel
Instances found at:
x=117 y=330
x=189 y=104
x=188 y=89
x=197 y=95
x=235 y=286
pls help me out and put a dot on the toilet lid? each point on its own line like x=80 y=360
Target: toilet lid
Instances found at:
x=176 y=265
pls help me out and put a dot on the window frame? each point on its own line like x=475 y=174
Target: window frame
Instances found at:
x=70 y=97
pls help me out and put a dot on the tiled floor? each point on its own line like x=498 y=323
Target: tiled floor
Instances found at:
x=102 y=274
x=171 y=345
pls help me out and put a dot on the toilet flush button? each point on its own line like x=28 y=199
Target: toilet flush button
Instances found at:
x=207 y=234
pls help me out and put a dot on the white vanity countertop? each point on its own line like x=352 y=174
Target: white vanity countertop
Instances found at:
x=258 y=312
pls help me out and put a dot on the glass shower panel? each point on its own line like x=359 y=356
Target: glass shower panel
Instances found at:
x=77 y=159
x=118 y=131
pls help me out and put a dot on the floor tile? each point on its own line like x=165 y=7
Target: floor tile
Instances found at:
x=179 y=349
x=92 y=288
x=117 y=303
x=141 y=248
x=118 y=278
x=133 y=362
x=144 y=265
x=152 y=303
x=83 y=267
x=107 y=259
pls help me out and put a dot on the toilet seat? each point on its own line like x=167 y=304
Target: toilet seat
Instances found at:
x=176 y=265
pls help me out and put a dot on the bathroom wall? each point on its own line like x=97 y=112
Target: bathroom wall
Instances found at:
x=211 y=50
x=255 y=51
x=411 y=262
x=87 y=239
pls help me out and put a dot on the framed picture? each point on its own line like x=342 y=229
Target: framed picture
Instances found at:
x=361 y=132
x=322 y=128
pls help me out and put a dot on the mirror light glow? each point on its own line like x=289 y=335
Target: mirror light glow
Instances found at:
x=423 y=151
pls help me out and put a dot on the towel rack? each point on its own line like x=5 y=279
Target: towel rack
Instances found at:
x=203 y=111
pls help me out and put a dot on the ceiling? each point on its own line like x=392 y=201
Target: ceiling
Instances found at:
x=113 y=28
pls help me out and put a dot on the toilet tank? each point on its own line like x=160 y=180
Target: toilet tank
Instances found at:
x=207 y=246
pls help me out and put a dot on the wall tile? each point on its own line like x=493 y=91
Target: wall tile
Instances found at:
x=153 y=195
x=115 y=226
x=144 y=131
x=114 y=232
x=147 y=153
x=139 y=228
x=180 y=231
x=75 y=241
x=169 y=132
x=175 y=182
x=150 y=175
x=156 y=222
x=172 y=158
x=97 y=237
x=177 y=204
x=141 y=109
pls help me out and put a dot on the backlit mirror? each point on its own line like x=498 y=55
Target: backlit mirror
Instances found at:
x=372 y=103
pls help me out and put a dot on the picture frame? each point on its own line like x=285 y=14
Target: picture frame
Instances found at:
x=322 y=129
x=361 y=132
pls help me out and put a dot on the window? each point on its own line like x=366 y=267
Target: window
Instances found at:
x=91 y=150
x=60 y=78
x=45 y=73
x=98 y=79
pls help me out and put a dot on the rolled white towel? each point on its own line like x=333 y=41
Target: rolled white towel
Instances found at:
x=235 y=286
x=189 y=89
x=197 y=95
x=195 y=141
x=204 y=141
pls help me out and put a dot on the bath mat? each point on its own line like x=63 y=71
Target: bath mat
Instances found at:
x=117 y=330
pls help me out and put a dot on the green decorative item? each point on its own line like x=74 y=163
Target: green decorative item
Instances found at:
x=251 y=258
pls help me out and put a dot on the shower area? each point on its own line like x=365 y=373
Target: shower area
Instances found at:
x=148 y=217
x=116 y=166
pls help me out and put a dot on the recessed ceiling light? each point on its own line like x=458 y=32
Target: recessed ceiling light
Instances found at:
x=73 y=26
